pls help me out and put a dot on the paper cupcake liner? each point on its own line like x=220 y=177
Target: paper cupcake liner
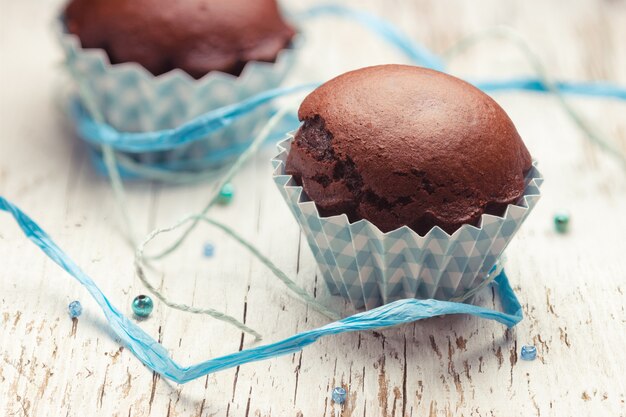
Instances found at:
x=131 y=99
x=371 y=268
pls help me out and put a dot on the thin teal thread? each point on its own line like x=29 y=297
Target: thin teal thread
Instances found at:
x=109 y=159
x=196 y=218
x=184 y=307
x=232 y=171
x=314 y=304
x=164 y=175
x=496 y=271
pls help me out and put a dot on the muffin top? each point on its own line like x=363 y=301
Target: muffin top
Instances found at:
x=197 y=36
x=407 y=146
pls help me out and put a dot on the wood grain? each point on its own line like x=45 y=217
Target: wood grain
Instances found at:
x=572 y=287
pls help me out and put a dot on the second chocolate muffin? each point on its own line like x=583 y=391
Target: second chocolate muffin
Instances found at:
x=197 y=36
x=407 y=146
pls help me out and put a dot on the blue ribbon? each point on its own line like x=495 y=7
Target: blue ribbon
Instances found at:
x=194 y=130
x=156 y=357
x=215 y=159
x=588 y=89
x=415 y=52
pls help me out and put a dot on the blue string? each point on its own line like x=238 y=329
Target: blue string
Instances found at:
x=588 y=89
x=414 y=51
x=156 y=357
x=215 y=159
x=167 y=139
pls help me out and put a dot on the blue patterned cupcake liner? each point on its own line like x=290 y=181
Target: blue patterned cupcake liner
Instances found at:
x=131 y=99
x=371 y=268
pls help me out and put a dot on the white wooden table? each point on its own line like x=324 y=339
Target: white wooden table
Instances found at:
x=571 y=287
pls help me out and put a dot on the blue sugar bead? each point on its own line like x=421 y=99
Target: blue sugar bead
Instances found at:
x=339 y=395
x=75 y=309
x=142 y=306
x=528 y=353
x=209 y=250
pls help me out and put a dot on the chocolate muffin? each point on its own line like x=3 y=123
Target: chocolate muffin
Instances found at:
x=197 y=36
x=407 y=146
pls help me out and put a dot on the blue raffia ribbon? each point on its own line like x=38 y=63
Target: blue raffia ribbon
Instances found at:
x=156 y=357
x=192 y=131
x=385 y=30
x=586 y=89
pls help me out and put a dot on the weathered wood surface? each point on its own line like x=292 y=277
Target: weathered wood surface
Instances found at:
x=572 y=287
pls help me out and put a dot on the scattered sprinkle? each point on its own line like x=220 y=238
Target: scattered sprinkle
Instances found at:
x=75 y=309
x=339 y=395
x=142 y=306
x=528 y=353
x=561 y=222
x=209 y=250
x=226 y=194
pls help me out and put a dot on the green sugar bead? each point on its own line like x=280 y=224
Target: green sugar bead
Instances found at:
x=226 y=194
x=561 y=222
